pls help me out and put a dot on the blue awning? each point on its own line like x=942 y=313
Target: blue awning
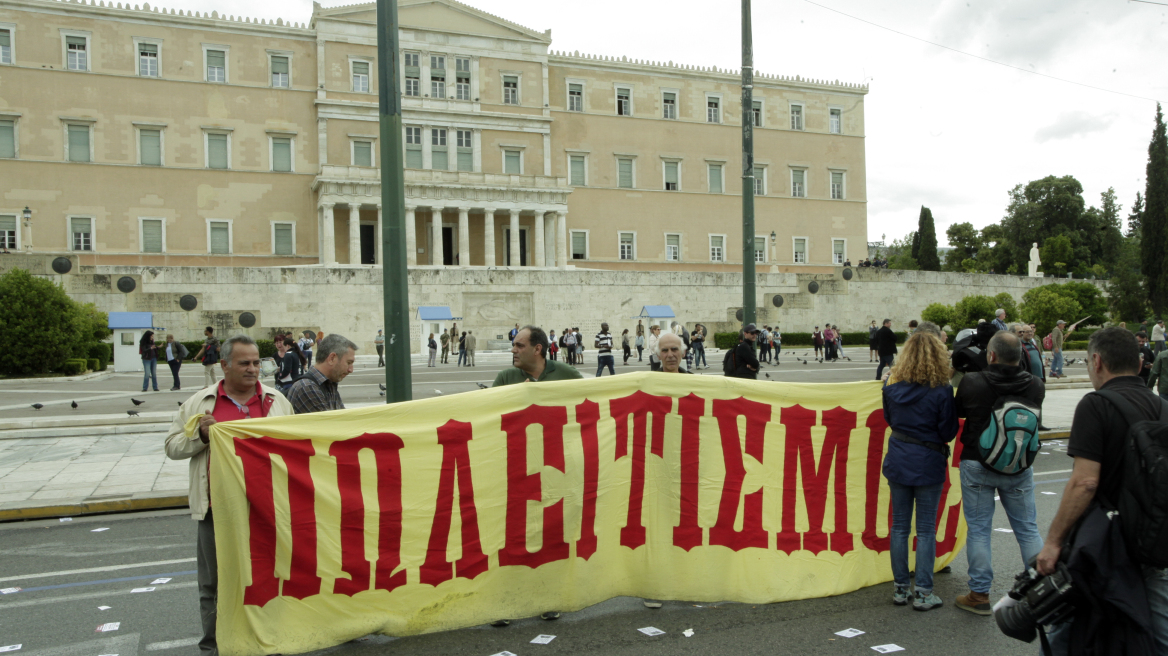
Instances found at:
x=131 y=320
x=435 y=313
x=657 y=312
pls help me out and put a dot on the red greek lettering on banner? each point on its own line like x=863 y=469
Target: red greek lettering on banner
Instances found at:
x=523 y=487
x=454 y=436
x=687 y=534
x=640 y=405
x=588 y=416
x=873 y=482
x=800 y=455
x=386 y=449
x=757 y=416
x=256 y=454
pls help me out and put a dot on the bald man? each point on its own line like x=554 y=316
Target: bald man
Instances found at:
x=671 y=352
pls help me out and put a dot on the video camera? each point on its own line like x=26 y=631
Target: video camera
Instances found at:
x=1034 y=601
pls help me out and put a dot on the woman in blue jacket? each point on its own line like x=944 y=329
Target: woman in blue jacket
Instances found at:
x=919 y=407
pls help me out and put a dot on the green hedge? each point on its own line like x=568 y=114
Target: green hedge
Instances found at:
x=100 y=352
x=1075 y=345
x=94 y=364
x=193 y=347
x=74 y=367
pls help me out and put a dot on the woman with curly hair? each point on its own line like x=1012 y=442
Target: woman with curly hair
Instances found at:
x=919 y=407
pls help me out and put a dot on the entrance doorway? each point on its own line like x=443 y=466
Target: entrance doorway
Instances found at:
x=449 y=245
x=522 y=246
x=368 y=245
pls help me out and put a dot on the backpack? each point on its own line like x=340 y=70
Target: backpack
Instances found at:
x=729 y=362
x=211 y=354
x=1010 y=441
x=1143 y=492
x=1048 y=343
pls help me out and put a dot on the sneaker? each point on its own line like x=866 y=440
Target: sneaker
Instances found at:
x=501 y=623
x=900 y=596
x=928 y=601
x=651 y=603
x=977 y=603
x=550 y=615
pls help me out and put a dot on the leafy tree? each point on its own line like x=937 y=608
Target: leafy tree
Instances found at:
x=916 y=243
x=927 y=250
x=1043 y=306
x=47 y=327
x=938 y=313
x=1136 y=219
x=1154 y=226
x=1089 y=298
x=903 y=261
x=968 y=310
x=1111 y=235
x=96 y=327
x=1126 y=295
x=966 y=242
x=1056 y=254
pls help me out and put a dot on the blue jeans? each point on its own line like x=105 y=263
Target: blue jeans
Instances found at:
x=927 y=498
x=1056 y=364
x=603 y=361
x=1156 y=584
x=149 y=373
x=978 y=487
x=699 y=349
x=461 y=357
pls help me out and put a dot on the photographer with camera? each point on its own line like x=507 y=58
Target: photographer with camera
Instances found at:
x=1110 y=473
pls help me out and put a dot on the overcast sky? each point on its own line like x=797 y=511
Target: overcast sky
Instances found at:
x=944 y=129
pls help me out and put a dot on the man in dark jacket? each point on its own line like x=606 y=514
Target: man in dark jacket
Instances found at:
x=885 y=346
x=745 y=361
x=976 y=396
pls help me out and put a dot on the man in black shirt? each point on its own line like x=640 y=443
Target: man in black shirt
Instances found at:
x=885 y=346
x=745 y=362
x=1097 y=439
x=604 y=351
x=1146 y=356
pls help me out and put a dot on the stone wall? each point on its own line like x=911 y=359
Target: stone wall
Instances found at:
x=348 y=300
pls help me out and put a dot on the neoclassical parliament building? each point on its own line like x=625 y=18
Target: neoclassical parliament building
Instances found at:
x=143 y=135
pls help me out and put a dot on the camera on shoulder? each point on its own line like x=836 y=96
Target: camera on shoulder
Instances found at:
x=1034 y=601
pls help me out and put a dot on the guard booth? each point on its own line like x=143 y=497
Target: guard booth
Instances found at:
x=435 y=319
x=128 y=328
x=656 y=315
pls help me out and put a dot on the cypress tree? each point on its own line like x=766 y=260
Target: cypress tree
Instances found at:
x=1154 y=228
x=927 y=242
x=916 y=244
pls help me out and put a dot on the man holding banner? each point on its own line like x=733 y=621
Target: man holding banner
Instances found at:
x=239 y=395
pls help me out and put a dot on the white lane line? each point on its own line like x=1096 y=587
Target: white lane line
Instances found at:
x=172 y=644
x=1060 y=471
x=124 y=645
x=90 y=570
x=86 y=595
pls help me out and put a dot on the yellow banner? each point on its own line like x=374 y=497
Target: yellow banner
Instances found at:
x=456 y=511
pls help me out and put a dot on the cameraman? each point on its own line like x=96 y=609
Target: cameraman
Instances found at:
x=1097 y=445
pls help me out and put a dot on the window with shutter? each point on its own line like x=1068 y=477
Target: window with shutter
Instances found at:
x=671 y=176
x=715 y=178
x=575 y=97
x=147 y=60
x=796 y=117
x=283 y=238
x=465 y=150
x=216 y=66
x=439 y=159
x=836 y=121
x=152 y=235
x=627 y=245
x=7 y=138
x=800 y=251
x=281 y=155
x=413 y=148
x=759 y=181
x=217 y=151
x=579 y=245
x=75 y=53
x=713 y=110
x=510 y=89
x=362 y=153
x=5 y=46
x=716 y=246
x=78 y=143
x=220 y=238
x=577 y=171
x=511 y=163
x=150 y=145
x=669 y=105
x=462 y=79
x=624 y=103
x=798 y=184
x=437 y=76
x=624 y=173
x=360 y=77
x=756 y=113
x=837 y=251
x=82 y=230
x=837 y=185
x=8 y=231
x=280 y=78
x=673 y=248
x=760 y=249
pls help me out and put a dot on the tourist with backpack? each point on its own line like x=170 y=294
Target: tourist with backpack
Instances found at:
x=1000 y=405
x=209 y=356
x=1119 y=440
x=740 y=362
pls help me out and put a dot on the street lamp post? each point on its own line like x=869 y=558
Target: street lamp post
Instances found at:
x=748 y=276
x=27 y=214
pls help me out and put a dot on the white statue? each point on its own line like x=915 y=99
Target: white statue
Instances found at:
x=1034 y=262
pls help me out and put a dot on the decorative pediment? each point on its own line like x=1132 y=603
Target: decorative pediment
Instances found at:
x=441 y=16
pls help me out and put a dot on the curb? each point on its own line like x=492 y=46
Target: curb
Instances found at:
x=148 y=501
x=97 y=375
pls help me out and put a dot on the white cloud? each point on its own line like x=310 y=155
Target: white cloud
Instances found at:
x=1072 y=124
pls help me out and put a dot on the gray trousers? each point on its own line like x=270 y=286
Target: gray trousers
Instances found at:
x=208 y=567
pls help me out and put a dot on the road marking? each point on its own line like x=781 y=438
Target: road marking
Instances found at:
x=121 y=580
x=105 y=594
x=1060 y=471
x=90 y=570
x=172 y=644
x=124 y=645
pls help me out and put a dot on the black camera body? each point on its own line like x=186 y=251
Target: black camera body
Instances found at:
x=1036 y=600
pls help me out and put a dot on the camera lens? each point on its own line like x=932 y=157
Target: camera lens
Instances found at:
x=1017 y=621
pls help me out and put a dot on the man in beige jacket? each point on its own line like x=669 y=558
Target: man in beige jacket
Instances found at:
x=239 y=395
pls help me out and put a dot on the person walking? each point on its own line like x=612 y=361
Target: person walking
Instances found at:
x=239 y=396
x=885 y=347
x=764 y=344
x=697 y=340
x=625 y=346
x=654 y=336
x=307 y=342
x=514 y=331
x=828 y=343
x=604 y=357
x=569 y=346
x=175 y=354
x=640 y=344
x=471 y=341
x=919 y=407
x=1158 y=335
x=872 y=330
x=817 y=341
x=208 y=355
x=379 y=344
x=579 y=345
x=981 y=486
x=461 y=349
x=433 y=346
x=445 y=339
x=149 y=353
x=745 y=362
x=776 y=342
x=553 y=346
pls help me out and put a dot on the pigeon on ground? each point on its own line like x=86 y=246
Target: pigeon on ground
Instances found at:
x=178 y=403
x=381 y=394
x=767 y=375
x=136 y=401
x=381 y=386
x=37 y=406
x=132 y=413
x=74 y=405
x=481 y=386
x=438 y=392
x=804 y=362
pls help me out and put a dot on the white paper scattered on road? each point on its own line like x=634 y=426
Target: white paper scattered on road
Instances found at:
x=10 y=648
x=1004 y=530
x=503 y=653
x=687 y=633
x=66 y=519
x=108 y=626
x=159 y=581
x=9 y=590
x=142 y=590
x=887 y=649
x=542 y=639
x=1051 y=493
x=99 y=530
x=107 y=655
x=104 y=607
x=849 y=633
x=651 y=631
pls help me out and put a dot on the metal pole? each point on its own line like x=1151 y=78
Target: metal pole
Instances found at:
x=748 y=276
x=395 y=283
